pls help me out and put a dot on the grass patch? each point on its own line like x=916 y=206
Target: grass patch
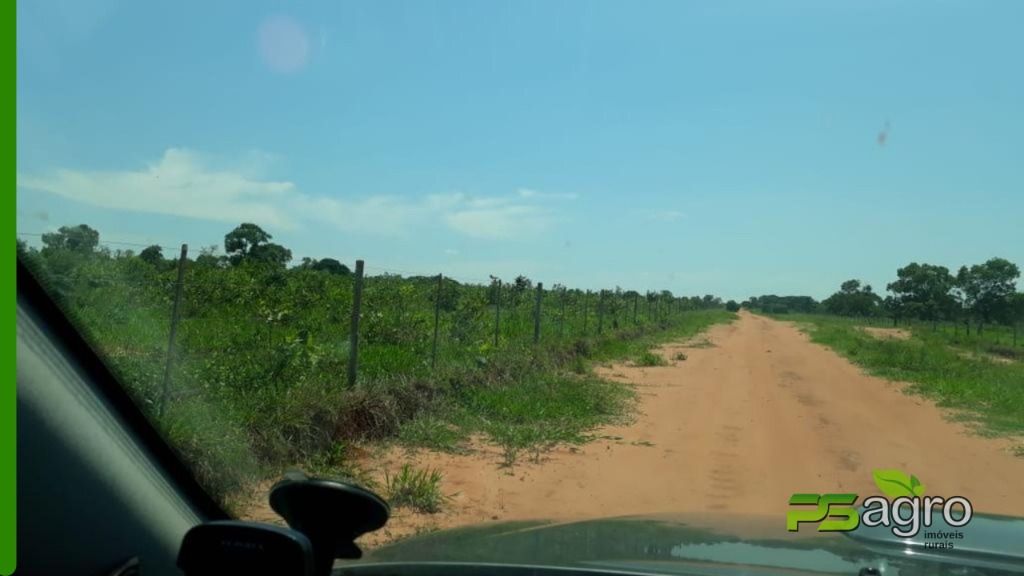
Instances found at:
x=990 y=393
x=679 y=357
x=434 y=433
x=631 y=342
x=649 y=358
x=526 y=400
x=416 y=489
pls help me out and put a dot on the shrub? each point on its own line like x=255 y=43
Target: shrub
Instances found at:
x=417 y=489
x=649 y=358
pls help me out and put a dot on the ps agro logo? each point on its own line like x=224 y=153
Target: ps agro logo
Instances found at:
x=904 y=494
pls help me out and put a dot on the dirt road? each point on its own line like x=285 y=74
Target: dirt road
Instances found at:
x=737 y=427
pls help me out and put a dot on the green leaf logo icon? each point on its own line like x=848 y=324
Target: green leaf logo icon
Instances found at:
x=916 y=486
x=896 y=484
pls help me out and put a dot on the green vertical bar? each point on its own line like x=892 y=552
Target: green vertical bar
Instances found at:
x=8 y=384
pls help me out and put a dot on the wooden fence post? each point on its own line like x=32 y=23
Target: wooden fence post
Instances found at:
x=536 y=313
x=497 y=313
x=353 y=339
x=437 y=319
x=600 y=313
x=586 y=299
x=561 y=314
x=636 y=297
x=175 y=316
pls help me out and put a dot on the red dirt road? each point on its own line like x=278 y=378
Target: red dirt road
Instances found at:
x=735 y=428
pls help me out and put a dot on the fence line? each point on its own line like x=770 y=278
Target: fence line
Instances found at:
x=393 y=314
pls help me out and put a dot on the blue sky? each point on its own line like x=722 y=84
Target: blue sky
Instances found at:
x=702 y=147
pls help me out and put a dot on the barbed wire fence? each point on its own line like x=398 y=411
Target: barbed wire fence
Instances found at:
x=391 y=310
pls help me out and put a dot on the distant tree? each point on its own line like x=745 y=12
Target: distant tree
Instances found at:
x=331 y=266
x=208 y=257
x=520 y=286
x=270 y=253
x=711 y=301
x=522 y=283
x=244 y=238
x=732 y=306
x=152 y=254
x=924 y=291
x=986 y=289
x=81 y=238
x=249 y=242
x=852 y=299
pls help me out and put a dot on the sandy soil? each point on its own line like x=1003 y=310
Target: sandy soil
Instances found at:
x=737 y=427
x=888 y=333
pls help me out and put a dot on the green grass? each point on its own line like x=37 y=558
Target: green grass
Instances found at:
x=433 y=432
x=630 y=343
x=989 y=394
x=259 y=385
x=415 y=488
x=528 y=400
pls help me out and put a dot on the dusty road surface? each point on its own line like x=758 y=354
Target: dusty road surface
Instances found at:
x=737 y=427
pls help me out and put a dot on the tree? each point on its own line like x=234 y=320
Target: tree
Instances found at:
x=331 y=266
x=711 y=301
x=924 y=291
x=987 y=288
x=521 y=286
x=783 y=304
x=208 y=257
x=852 y=299
x=732 y=306
x=249 y=242
x=270 y=253
x=152 y=254
x=81 y=238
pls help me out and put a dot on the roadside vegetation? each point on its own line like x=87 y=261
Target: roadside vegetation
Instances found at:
x=257 y=381
x=954 y=338
x=414 y=488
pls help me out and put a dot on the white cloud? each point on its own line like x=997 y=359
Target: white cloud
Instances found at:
x=177 y=184
x=665 y=215
x=500 y=222
x=531 y=193
x=181 y=183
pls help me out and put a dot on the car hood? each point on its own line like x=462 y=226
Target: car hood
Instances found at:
x=679 y=544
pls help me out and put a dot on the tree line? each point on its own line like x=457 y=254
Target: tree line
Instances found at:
x=249 y=246
x=979 y=295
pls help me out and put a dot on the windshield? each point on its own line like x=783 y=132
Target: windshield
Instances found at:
x=546 y=261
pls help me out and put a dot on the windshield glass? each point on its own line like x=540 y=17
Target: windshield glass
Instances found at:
x=546 y=261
